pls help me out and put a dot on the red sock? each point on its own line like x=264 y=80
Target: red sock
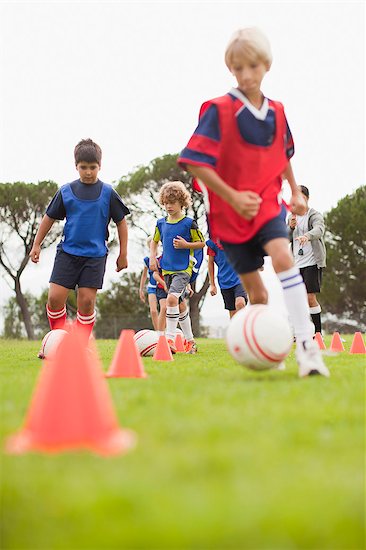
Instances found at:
x=56 y=318
x=85 y=322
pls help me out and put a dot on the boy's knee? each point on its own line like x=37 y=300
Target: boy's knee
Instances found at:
x=171 y=300
x=258 y=296
x=282 y=262
x=239 y=303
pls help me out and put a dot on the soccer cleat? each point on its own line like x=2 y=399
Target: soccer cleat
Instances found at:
x=310 y=360
x=172 y=346
x=191 y=347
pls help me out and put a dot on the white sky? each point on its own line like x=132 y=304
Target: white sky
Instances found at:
x=132 y=76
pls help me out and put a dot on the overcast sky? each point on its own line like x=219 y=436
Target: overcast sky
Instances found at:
x=132 y=76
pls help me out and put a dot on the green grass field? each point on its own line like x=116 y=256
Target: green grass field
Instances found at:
x=227 y=458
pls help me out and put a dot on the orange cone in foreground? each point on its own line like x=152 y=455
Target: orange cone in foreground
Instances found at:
x=336 y=343
x=179 y=343
x=319 y=340
x=126 y=362
x=71 y=408
x=162 y=351
x=358 y=345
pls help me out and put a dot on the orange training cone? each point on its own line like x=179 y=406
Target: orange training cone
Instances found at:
x=71 y=408
x=179 y=343
x=162 y=351
x=336 y=343
x=358 y=345
x=319 y=340
x=126 y=362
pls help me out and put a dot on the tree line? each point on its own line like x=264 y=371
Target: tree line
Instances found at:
x=22 y=206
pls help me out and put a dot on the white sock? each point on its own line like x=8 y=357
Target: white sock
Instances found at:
x=185 y=323
x=296 y=301
x=172 y=316
x=315 y=309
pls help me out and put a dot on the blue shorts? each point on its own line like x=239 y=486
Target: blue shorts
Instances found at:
x=248 y=257
x=230 y=294
x=78 y=271
x=151 y=289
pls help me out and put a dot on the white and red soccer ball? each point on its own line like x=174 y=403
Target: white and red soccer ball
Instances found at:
x=51 y=341
x=259 y=337
x=146 y=341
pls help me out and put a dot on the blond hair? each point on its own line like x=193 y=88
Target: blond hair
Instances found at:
x=175 y=191
x=250 y=43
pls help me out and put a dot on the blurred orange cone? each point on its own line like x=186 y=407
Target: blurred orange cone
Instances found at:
x=319 y=340
x=358 y=345
x=336 y=343
x=162 y=350
x=71 y=407
x=126 y=362
x=179 y=343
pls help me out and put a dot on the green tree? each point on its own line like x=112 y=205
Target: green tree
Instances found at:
x=120 y=308
x=22 y=206
x=141 y=188
x=344 y=288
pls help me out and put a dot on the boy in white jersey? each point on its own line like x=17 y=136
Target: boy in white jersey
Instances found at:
x=180 y=236
x=309 y=252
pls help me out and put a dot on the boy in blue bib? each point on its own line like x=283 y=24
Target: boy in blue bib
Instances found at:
x=88 y=205
x=180 y=237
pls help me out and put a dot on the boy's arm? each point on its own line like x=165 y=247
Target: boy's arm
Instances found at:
x=43 y=229
x=153 y=253
x=211 y=275
x=142 y=284
x=122 y=230
x=160 y=280
x=297 y=202
x=179 y=243
x=245 y=203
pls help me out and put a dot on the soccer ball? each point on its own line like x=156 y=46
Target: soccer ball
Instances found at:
x=51 y=341
x=146 y=341
x=258 y=337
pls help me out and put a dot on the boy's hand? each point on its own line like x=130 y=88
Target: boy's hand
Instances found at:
x=179 y=242
x=165 y=288
x=246 y=204
x=298 y=204
x=153 y=266
x=213 y=290
x=35 y=253
x=292 y=221
x=303 y=239
x=142 y=296
x=121 y=262
x=190 y=290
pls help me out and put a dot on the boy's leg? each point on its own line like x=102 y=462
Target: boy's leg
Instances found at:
x=56 y=305
x=153 y=305
x=162 y=316
x=308 y=353
x=176 y=284
x=186 y=326
x=85 y=317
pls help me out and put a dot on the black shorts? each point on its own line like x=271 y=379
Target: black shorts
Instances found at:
x=72 y=271
x=160 y=294
x=312 y=276
x=247 y=257
x=230 y=294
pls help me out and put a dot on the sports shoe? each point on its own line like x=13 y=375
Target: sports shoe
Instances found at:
x=172 y=346
x=191 y=347
x=310 y=360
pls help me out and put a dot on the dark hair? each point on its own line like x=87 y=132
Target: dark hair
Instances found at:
x=304 y=191
x=87 y=151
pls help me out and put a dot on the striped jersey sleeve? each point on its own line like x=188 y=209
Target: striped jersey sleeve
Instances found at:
x=203 y=148
x=196 y=235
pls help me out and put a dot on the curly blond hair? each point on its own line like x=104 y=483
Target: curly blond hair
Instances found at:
x=174 y=191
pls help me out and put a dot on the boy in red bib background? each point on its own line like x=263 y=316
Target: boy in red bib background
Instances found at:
x=239 y=154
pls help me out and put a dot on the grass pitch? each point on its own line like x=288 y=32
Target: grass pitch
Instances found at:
x=227 y=458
